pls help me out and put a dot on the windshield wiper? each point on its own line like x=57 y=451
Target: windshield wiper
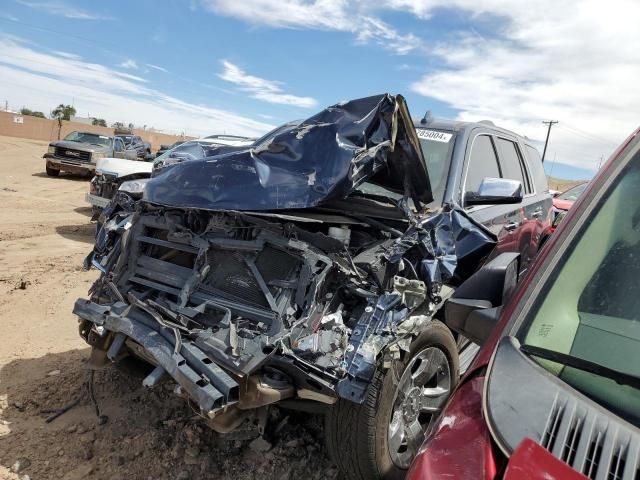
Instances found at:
x=578 y=363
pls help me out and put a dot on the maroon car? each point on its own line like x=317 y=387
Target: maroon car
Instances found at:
x=565 y=200
x=555 y=390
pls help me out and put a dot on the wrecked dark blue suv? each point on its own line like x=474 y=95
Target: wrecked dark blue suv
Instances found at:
x=310 y=269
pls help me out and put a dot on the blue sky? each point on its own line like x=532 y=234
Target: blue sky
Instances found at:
x=242 y=66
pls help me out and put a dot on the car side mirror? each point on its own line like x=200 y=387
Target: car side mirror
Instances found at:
x=495 y=191
x=475 y=307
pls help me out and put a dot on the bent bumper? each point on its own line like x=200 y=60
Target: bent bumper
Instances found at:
x=96 y=200
x=67 y=165
x=204 y=381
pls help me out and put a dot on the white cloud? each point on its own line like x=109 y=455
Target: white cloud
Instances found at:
x=8 y=16
x=63 y=10
x=129 y=63
x=42 y=80
x=337 y=15
x=156 y=67
x=262 y=89
x=71 y=56
x=576 y=62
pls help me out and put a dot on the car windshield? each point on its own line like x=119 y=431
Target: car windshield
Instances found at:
x=277 y=131
x=127 y=139
x=437 y=148
x=573 y=193
x=92 y=138
x=590 y=308
x=189 y=150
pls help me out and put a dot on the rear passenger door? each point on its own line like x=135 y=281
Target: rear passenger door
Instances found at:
x=526 y=234
x=491 y=155
x=118 y=148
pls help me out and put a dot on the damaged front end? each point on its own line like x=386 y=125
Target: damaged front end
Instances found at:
x=295 y=269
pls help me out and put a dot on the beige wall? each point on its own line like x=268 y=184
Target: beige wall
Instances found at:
x=44 y=129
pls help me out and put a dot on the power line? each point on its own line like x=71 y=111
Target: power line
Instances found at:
x=546 y=142
x=586 y=135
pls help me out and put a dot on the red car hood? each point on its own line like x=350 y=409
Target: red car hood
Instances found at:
x=562 y=204
x=530 y=461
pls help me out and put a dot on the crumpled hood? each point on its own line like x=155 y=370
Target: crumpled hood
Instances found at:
x=324 y=158
x=79 y=146
x=121 y=167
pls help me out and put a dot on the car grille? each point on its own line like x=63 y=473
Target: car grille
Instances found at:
x=107 y=185
x=72 y=154
x=255 y=280
x=591 y=443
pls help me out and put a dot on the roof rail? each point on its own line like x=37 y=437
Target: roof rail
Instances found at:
x=427 y=118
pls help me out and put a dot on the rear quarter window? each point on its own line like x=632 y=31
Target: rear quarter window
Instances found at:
x=537 y=170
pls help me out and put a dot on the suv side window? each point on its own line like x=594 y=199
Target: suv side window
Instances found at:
x=118 y=145
x=483 y=162
x=510 y=162
x=537 y=170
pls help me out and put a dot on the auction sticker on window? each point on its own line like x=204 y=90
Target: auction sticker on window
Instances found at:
x=434 y=135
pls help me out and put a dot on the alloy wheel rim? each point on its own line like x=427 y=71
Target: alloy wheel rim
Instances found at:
x=420 y=394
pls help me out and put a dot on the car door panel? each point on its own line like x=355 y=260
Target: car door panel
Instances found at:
x=505 y=221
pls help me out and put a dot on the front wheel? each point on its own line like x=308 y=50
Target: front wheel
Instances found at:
x=380 y=437
x=52 y=172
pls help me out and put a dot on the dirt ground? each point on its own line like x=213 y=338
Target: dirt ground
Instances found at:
x=45 y=233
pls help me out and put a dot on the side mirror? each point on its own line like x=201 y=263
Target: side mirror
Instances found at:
x=475 y=307
x=558 y=218
x=495 y=191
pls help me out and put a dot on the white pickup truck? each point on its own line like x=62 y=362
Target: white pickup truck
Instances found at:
x=110 y=174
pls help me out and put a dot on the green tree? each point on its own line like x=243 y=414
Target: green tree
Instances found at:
x=32 y=113
x=62 y=112
x=101 y=122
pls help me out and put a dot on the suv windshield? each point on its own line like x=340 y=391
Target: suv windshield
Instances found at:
x=92 y=138
x=437 y=148
x=591 y=308
x=127 y=139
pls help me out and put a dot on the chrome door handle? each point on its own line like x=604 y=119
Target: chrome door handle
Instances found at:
x=511 y=226
x=537 y=213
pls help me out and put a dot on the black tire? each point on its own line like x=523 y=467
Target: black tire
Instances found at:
x=52 y=172
x=357 y=435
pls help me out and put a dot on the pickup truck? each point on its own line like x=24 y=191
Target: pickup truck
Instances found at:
x=78 y=152
x=135 y=142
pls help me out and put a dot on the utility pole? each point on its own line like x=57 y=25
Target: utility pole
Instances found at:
x=546 y=142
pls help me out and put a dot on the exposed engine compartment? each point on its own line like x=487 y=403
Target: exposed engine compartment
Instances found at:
x=246 y=291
